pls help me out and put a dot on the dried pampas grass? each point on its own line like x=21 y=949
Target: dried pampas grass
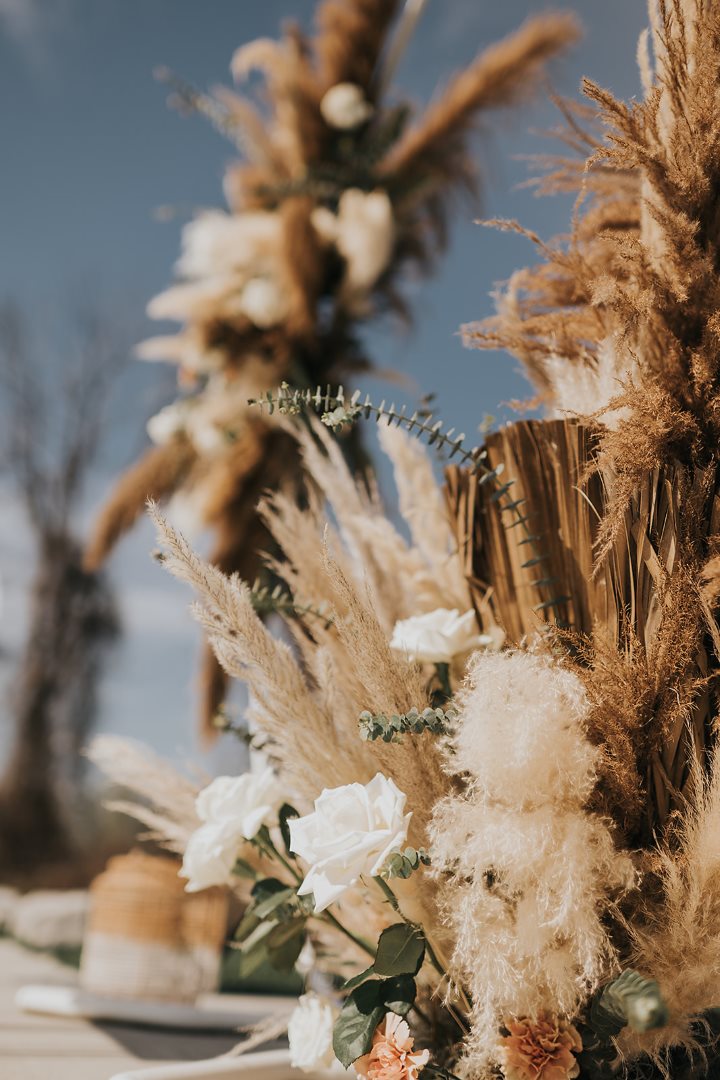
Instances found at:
x=532 y=874
x=164 y=799
x=678 y=940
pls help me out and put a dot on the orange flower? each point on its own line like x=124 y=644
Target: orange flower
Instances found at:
x=542 y=1049
x=392 y=1056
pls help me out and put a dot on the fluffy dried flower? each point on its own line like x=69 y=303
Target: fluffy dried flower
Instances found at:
x=542 y=1049
x=264 y=303
x=392 y=1056
x=344 y=106
x=166 y=424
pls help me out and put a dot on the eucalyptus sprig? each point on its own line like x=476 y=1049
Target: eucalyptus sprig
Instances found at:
x=337 y=411
x=268 y=600
x=391 y=728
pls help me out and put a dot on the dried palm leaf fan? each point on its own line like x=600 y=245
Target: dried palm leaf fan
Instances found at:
x=529 y=560
x=618 y=499
x=337 y=195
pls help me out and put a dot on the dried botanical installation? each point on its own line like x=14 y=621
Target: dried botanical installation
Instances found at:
x=339 y=193
x=491 y=804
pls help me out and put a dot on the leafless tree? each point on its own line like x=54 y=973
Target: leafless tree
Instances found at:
x=53 y=423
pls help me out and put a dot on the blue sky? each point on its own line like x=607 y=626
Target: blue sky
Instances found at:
x=91 y=151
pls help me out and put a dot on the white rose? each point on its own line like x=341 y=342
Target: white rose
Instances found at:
x=263 y=302
x=246 y=801
x=310 y=1033
x=344 y=106
x=210 y=856
x=232 y=809
x=169 y=422
x=352 y=832
x=438 y=636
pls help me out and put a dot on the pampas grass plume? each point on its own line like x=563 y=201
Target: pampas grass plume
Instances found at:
x=521 y=737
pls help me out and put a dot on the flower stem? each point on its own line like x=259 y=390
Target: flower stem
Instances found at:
x=443 y=674
x=430 y=952
x=360 y=942
x=270 y=848
x=266 y=843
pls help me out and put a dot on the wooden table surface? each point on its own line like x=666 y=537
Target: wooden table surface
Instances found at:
x=36 y=1047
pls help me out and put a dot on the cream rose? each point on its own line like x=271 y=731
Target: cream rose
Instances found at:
x=210 y=857
x=310 y=1033
x=344 y=106
x=247 y=802
x=352 y=832
x=439 y=636
x=232 y=809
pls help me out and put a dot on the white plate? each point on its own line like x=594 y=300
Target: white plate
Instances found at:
x=266 y=1065
x=212 y=1014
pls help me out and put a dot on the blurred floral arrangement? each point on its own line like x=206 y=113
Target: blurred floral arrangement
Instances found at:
x=492 y=802
x=339 y=194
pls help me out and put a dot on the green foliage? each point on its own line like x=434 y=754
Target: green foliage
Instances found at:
x=278 y=601
x=390 y=728
x=400 y=951
x=336 y=412
x=402 y=864
x=364 y=1009
x=272 y=928
x=630 y=1000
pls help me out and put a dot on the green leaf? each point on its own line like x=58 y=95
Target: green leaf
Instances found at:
x=272 y=903
x=287 y=812
x=254 y=952
x=355 y=1026
x=357 y=980
x=243 y=869
x=266 y=887
x=400 y=951
x=399 y=994
x=248 y=924
x=285 y=943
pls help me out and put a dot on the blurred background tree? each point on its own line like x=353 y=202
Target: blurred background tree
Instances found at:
x=53 y=422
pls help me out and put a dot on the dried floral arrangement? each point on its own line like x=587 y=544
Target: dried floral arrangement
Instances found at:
x=492 y=807
x=340 y=192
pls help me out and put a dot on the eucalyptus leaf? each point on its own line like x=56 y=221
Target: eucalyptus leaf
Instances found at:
x=400 y=950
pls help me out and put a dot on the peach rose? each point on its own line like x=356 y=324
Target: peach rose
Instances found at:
x=542 y=1049
x=392 y=1056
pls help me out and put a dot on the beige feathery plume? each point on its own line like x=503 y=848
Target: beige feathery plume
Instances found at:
x=678 y=941
x=157 y=475
x=165 y=798
x=500 y=75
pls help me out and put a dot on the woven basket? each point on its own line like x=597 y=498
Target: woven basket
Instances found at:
x=548 y=463
x=147 y=937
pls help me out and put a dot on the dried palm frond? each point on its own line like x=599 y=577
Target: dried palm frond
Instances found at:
x=632 y=620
